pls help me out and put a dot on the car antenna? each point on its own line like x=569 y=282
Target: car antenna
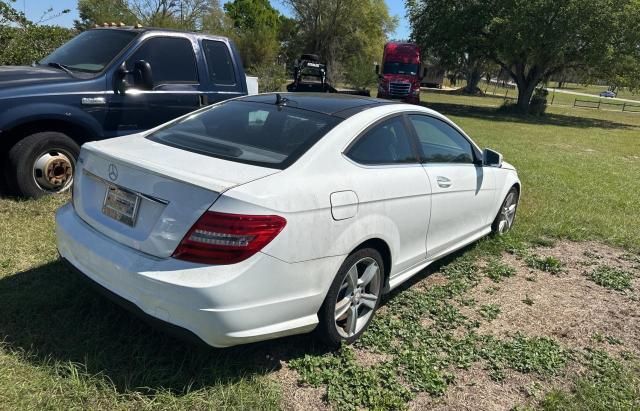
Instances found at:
x=281 y=101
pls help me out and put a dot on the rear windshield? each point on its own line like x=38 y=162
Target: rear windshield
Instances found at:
x=267 y=135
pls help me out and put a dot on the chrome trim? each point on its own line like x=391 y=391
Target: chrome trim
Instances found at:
x=145 y=196
x=93 y=101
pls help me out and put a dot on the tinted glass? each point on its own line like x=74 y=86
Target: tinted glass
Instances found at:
x=440 y=142
x=400 y=68
x=263 y=134
x=172 y=60
x=91 y=51
x=385 y=143
x=219 y=62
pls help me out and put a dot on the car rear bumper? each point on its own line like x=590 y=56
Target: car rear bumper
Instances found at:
x=258 y=299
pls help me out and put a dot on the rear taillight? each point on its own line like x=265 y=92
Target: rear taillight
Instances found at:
x=220 y=238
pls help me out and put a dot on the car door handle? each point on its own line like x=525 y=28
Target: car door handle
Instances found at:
x=443 y=182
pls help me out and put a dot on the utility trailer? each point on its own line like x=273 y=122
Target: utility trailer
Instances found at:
x=310 y=76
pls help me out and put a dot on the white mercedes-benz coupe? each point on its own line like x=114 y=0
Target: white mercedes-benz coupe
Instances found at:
x=278 y=214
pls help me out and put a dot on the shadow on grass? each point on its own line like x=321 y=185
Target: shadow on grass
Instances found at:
x=53 y=314
x=493 y=114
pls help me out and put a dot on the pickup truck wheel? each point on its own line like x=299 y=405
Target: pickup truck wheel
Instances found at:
x=43 y=163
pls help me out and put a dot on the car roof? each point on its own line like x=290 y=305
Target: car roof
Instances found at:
x=333 y=104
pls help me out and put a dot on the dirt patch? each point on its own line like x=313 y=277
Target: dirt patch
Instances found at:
x=295 y=396
x=567 y=307
x=474 y=390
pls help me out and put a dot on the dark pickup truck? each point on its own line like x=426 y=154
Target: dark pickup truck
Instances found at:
x=103 y=83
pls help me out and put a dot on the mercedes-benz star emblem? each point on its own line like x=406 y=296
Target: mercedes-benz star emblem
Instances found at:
x=113 y=172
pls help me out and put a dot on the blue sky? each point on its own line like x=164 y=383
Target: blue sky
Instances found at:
x=35 y=8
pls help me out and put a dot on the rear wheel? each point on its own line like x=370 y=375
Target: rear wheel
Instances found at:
x=353 y=298
x=42 y=163
x=507 y=214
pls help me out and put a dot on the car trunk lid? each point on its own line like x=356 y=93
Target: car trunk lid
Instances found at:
x=148 y=195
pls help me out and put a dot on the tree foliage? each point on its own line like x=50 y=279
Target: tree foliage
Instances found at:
x=255 y=30
x=530 y=39
x=23 y=42
x=178 y=14
x=92 y=12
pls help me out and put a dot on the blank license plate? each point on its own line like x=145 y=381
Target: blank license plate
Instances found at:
x=121 y=205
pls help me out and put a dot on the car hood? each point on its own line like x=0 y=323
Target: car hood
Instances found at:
x=21 y=76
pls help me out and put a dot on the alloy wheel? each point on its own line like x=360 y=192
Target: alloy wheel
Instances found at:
x=357 y=297
x=508 y=212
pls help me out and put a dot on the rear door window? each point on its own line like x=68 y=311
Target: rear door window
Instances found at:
x=267 y=135
x=219 y=62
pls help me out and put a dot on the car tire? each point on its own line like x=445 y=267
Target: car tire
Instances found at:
x=42 y=163
x=507 y=214
x=350 y=306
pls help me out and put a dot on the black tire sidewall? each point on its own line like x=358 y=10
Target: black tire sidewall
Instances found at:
x=326 y=327
x=25 y=152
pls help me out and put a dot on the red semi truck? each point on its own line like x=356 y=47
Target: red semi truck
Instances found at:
x=400 y=76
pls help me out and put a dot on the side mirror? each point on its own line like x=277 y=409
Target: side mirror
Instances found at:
x=120 y=79
x=377 y=69
x=491 y=158
x=143 y=75
x=424 y=72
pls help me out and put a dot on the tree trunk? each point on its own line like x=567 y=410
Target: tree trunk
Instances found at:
x=473 y=78
x=525 y=92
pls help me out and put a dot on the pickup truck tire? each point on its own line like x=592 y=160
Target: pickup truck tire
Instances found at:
x=42 y=163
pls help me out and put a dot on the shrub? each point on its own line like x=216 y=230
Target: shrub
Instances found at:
x=24 y=45
x=538 y=104
x=271 y=77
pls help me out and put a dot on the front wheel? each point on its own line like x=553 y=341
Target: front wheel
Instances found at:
x=353 y=298
x=507 y=214
x=42 y=163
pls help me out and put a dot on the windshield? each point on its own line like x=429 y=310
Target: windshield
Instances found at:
x=262 y=134
x=400 y=68
x=91 y=50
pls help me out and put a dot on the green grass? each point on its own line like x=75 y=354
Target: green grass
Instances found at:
x=549 y=264
x=64 y=347
x=497 y=270
x=489 y=311
x=557 y=98
x=609 y=385
x=611 y=277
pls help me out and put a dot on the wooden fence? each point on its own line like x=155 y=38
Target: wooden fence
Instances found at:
x=633 y=108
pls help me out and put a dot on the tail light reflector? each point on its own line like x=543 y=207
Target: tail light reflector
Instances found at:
x=220 y=238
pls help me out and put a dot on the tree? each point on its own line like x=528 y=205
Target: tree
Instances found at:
x=9 y=15
x=179 y=14
x=256 y=26
x=341 y=31
x=22 y=42
x=531 y=40
x=445 y=36
x=92 y=12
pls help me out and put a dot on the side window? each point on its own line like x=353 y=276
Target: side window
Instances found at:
x=386 y=143
x=172 y=60
x=219 y=62
x=440 y=142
